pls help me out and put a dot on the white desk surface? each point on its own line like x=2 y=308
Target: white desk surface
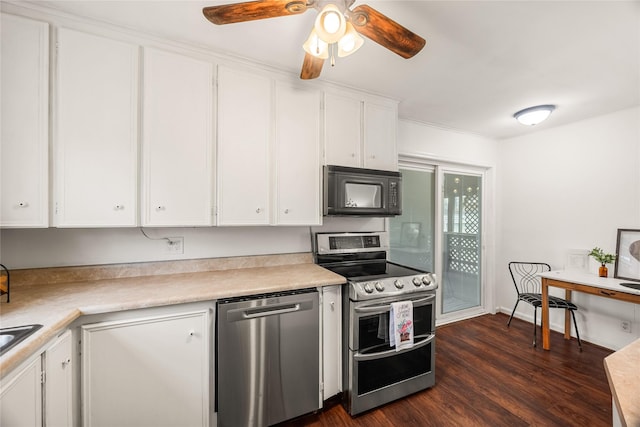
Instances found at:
x=584 y=278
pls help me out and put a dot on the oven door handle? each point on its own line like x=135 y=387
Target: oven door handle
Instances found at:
x=382 y=308
x=381 y=355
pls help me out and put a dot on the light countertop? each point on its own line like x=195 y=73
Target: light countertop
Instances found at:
x=623 y=373
x=583 y=278
x=55 y=298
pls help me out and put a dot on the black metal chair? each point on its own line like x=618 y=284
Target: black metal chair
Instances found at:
x=528 y=285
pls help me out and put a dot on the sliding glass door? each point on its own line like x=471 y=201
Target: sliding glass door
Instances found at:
x=412 y=233
x=440 y=231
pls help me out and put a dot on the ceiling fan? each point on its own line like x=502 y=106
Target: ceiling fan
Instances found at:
x=336 y=28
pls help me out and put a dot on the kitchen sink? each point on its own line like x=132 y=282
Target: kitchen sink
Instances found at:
x=632 y=285
x=9 y=337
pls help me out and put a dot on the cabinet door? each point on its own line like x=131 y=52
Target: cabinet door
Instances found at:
x=297 y=156
x=147 y=372
x=177 y=140
x=342 y=130
x=24 y=144
x=380 y=151
x=332 y=340
x=244 y=135
x=21 y=396
x=96 y=143
x=58 y=408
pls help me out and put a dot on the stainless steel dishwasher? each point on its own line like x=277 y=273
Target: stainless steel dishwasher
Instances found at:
x=268 y=358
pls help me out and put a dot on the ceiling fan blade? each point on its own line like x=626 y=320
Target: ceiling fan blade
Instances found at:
x=386 y=32
x=253 y=10
x=311 y=67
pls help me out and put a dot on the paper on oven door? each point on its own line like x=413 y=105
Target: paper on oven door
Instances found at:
x=401 y=325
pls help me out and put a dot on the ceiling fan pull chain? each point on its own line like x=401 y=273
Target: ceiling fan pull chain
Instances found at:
x=332 y=46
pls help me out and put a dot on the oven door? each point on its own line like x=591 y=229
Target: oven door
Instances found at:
x=369 y=331
x=377 y=373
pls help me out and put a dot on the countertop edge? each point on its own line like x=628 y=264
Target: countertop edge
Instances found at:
x=69 y=301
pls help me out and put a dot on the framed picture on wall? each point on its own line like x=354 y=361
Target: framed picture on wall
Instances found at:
x=628 y=255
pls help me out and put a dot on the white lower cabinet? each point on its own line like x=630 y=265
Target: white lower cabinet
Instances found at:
x=332 y=340
x=21 y=395
x=41 y=385
x=149 y=371
x=58 y=384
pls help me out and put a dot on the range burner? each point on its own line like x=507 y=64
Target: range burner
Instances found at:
x=362 y=259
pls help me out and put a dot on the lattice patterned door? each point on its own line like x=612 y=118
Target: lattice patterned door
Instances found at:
x=461 y=215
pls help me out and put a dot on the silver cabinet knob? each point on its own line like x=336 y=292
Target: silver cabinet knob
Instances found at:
x=23 y=204
x=258 y=210
x=118 y=207
x=286 y=211
x=192 y=333
x=66 y=362
x=160 y=208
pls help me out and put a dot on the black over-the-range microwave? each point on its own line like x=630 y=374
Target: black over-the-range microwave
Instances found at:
x=361 y=192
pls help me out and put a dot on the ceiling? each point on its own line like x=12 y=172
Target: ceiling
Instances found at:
x=484 y=60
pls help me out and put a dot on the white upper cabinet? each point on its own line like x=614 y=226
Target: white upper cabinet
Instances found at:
x=268 y=151
x=177 y=144
x=343 y=130
x=360 y=133
x=244 y=134
x=380 y=127
x=24 y=150
x=297 y=155
x=96 y=131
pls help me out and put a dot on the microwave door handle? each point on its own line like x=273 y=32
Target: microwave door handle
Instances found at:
x=381 y=355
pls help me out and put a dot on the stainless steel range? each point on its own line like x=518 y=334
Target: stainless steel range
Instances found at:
x=374 y=371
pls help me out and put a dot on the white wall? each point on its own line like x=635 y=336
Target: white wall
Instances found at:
x=567 y=188
x=445 y=144
x=56 y=247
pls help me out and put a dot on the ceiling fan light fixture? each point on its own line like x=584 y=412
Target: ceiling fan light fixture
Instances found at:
x=533 y=115
x=330 y=24
x=315 y=46
x=350 y=42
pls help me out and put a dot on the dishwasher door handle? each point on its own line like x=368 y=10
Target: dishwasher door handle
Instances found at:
x=248 y=313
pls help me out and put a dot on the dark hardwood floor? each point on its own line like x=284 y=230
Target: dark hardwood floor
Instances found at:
x=490 y=375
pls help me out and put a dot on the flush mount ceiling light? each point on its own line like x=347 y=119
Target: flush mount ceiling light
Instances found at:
x=534 y=115
x=337 y=29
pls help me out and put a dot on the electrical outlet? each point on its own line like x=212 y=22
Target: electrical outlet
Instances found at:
x=175 y=245
x=625 y=325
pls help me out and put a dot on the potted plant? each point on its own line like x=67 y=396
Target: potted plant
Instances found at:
x=603 y=259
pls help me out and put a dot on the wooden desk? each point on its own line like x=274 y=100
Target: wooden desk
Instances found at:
x=581 y=282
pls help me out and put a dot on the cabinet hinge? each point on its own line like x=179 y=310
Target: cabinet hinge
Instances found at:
x=43 y=377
